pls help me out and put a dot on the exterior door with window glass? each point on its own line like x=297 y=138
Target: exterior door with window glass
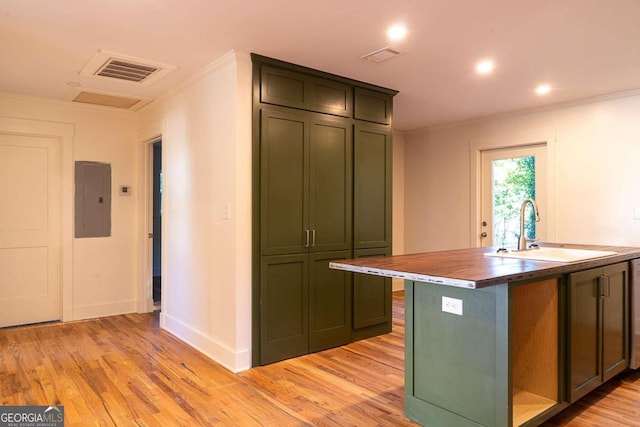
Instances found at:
x=508 y=177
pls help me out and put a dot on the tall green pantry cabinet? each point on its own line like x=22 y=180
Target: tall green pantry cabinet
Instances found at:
x=322 y=192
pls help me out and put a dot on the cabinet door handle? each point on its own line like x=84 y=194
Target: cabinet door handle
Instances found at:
x=605 y=287
x=313 y=238
x=306 y=238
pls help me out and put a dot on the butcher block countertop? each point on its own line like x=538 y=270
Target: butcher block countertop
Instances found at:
x=471 y=268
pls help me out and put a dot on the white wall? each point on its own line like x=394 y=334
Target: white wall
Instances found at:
x=103 y=276
x=595 y=149
x=206 y=265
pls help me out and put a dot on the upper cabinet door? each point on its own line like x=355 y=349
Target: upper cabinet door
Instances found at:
x=330 y=184
x=330 y=97
x=372 y=165
x=297 y=90
x=373 y=106
x=284 y=152
x=283 y=87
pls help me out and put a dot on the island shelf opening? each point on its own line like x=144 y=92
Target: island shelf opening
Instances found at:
x=534 y=349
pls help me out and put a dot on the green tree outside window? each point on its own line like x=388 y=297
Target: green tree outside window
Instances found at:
x=513 y=181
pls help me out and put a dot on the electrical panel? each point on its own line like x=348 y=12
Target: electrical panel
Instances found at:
x=92 y=199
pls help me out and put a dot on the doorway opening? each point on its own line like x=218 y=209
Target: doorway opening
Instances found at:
x=157 y=225
x=508 y=177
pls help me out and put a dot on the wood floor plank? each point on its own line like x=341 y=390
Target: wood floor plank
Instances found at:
x=126 y=371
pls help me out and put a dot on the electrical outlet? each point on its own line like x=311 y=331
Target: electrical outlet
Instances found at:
x=452 y=305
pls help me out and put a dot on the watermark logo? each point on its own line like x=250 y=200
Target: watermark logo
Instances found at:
x=31 y=416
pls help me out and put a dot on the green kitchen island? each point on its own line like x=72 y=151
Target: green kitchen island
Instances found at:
x=497 y=341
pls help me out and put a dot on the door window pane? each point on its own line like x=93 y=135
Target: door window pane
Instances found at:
x=514 y=180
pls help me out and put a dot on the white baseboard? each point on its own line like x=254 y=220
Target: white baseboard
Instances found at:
x=235 y=361
x=92 y=311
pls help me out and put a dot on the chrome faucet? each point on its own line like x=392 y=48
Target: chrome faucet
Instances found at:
x=522 y=242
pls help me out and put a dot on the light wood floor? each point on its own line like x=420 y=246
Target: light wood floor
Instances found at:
x=125 y=371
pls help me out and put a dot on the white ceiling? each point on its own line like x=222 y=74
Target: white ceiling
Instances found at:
x=583 y=48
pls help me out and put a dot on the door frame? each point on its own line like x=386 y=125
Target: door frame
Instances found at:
x=145 y=290
x=507 y=141
x=64 y=133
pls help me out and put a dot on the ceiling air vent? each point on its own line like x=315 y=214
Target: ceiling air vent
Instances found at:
x=122 y=67
x=106 y=99
x=381 y=55
x=122 y=70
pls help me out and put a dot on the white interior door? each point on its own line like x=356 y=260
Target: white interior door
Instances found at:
x=30 y=229
x=498 y=229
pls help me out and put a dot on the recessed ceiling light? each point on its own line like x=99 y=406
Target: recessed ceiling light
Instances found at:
x=543 y=89
x=485 y=67
x=397 y=32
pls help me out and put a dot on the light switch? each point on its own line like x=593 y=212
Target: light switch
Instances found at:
x=636 y=213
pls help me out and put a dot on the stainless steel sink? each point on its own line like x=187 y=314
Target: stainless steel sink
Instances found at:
x=552 y=254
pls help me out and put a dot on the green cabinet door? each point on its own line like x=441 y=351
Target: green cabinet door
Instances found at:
x=331 y=97
x=373 y=106
x=372 y=300
x=584 y=333
x=598 y=318
x=292 y=89
x=305 y=220
x=330 y=184
x=306 y=183
x=372 y=168
x=283 y=87
x=284 y=197
x=284 y=307
x=615 y=320
x=329 y=302
x=304 y=305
